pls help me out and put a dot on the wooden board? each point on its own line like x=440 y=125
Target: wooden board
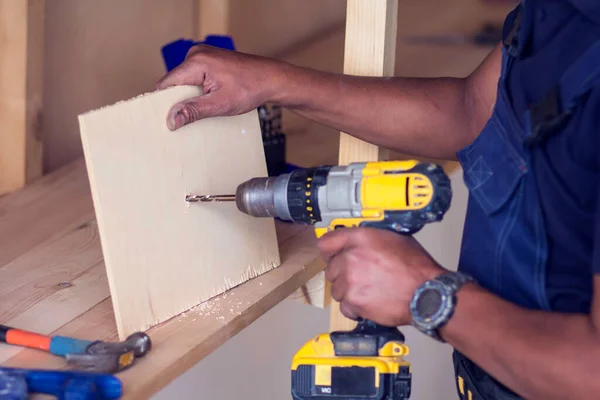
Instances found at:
x=371 y=30
x=58 y=285
x=165 y=255
x=21 y=86
x=212 y=18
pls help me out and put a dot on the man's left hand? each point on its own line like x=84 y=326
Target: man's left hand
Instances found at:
x=374 y=273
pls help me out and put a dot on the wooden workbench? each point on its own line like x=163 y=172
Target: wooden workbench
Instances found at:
x=53 y=281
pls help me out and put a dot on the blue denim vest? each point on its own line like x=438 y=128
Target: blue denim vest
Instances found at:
x=505 y=242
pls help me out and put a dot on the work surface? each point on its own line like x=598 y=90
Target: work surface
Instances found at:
x=53 y=281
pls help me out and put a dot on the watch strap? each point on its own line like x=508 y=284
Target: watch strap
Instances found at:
x=453 y=281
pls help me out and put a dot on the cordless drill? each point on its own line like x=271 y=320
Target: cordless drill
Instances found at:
x=401 y=196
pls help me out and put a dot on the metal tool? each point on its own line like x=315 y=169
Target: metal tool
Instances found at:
x=206 y=199
x=88 y=355
x=18 y=384
x=401 y=196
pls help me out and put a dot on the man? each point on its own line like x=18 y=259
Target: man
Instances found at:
x=525 y=128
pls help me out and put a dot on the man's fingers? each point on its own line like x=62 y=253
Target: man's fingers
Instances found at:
x=338 y=290
x=334 y=274
x=348 y=311
x=184 y=74
x=332 y=243
x=194 y=109
x=334 y=268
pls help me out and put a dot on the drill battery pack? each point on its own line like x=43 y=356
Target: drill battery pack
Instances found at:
x=359 y=364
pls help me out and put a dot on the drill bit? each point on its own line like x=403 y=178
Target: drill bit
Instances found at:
x=209 y=198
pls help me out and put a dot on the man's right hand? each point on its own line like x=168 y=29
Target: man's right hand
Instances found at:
x=233 y=83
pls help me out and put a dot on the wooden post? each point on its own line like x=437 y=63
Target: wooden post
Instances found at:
x=370 y=50
x=21 y=85
x=212 y=18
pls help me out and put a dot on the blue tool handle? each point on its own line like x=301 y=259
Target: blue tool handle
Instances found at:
x=12 y=387
x=174 y=53
x=61 y=346
x=66 y=385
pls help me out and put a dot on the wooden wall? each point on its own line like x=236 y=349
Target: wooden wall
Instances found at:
x=100 y=52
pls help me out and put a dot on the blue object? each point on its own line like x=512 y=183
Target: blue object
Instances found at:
x=17 y=384
x=174 y=53
x=533 y=171
x=532 y=228
x=290 y=167
x=61 y=346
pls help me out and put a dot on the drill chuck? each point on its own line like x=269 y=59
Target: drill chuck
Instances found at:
x=264 y=197
x=290 y=197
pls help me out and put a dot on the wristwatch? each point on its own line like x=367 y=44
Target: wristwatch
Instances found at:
x=433 y=302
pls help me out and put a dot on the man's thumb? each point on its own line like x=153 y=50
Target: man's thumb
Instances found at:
x=192 y=110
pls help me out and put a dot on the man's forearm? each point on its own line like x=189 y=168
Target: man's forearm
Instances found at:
x=537 y=354
x=422 y=117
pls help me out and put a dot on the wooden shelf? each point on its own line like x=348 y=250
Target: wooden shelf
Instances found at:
x=53 y=281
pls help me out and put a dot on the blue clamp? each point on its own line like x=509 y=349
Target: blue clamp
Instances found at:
x=18 y=384
x=174 y=53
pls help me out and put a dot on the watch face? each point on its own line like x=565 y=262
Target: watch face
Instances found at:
x=429 y=302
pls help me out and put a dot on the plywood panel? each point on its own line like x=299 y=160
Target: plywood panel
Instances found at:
x=162 y=254
x=21 y=75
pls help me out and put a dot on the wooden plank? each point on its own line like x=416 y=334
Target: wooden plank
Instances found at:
x=50 y=285
x=55 y=205
x=165 y=255
x=21 y=85
x=370 y=50
x=184 y=340
x=212 y=18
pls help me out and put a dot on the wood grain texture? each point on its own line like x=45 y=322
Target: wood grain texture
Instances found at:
x=21 y=87
x=49 y=285
x=183 y=341
x=60 y=287
x=164 y=255
x=370 y=49
x=55 y=205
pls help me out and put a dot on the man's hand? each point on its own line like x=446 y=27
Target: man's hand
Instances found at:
x=374 y=273
x=233 y=83
x=422 y=117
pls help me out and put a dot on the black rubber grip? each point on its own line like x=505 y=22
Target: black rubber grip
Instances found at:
x=302 y=192
x=3 y=331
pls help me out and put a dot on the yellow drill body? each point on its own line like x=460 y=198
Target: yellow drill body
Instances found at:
x=398 y=195
x=401 y=196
